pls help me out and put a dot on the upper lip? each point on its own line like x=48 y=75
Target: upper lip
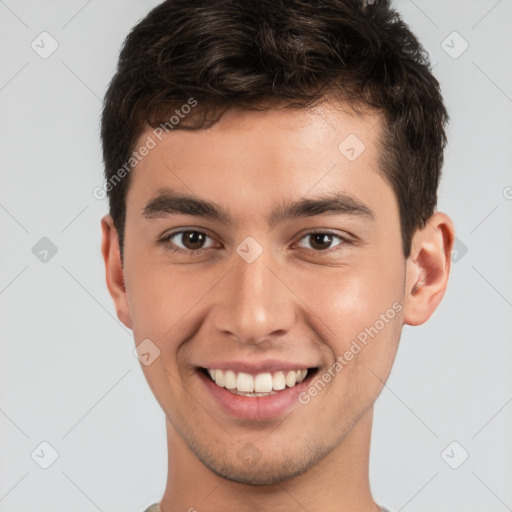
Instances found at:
x=252 y=367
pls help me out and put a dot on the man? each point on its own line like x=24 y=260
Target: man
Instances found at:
x=272 y=170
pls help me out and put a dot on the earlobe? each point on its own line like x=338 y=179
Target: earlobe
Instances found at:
x=428 y=268
x=114 y=270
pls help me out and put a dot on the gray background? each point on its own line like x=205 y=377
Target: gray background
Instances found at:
x=68 y=375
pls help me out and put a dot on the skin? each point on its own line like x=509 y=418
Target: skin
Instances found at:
x=295 y=302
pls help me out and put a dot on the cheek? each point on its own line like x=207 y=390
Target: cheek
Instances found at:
x=361 y=320
x=163 y=305
x=349 y=301
x=362 y=309
x=166 y=300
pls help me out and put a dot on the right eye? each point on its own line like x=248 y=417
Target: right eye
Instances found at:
x=189 y=242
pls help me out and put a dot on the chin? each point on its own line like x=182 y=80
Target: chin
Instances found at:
x=276 y=469
x=271 y=473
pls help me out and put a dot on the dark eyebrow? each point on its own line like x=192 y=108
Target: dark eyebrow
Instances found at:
x=168 y=202
x=336 y=203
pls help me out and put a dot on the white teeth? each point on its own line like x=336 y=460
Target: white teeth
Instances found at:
x=278 y=381
x=262 y=384
x=245 y=382
x=219 y=378
x=291 y=379
x=230 y=379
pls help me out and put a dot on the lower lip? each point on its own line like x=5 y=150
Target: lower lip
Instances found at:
x=255 y=408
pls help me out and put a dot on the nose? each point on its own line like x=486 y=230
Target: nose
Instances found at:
x=253 y=303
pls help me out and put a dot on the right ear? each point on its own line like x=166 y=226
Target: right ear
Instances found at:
x=114 y=270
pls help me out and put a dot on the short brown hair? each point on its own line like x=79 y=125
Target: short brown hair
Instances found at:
x=246 y=52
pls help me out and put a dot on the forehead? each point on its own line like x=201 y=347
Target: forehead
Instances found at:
x=252 y=160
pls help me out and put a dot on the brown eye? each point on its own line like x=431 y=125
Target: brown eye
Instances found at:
x=190 y=240
x=321 y=241
x=193 y=239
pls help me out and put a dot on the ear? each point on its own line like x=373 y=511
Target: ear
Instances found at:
x=428 y=268
x=114 y=269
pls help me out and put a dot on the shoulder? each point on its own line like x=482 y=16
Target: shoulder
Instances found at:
x=156 y=508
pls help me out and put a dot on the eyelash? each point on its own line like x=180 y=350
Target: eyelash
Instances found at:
x=166 y=240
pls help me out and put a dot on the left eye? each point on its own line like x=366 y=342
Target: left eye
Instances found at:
x=321 y=241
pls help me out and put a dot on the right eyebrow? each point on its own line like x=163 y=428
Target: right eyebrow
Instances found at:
x=169 y=202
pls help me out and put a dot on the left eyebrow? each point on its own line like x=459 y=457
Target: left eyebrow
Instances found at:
x=336 y=203
x=169 y=202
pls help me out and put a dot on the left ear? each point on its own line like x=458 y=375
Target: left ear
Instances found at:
x=428 y=268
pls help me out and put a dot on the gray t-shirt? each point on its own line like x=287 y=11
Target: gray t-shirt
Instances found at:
x=156 y=508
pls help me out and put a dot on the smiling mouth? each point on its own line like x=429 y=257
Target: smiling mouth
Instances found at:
x=258 y=385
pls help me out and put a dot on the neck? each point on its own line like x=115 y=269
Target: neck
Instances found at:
x=337 y=483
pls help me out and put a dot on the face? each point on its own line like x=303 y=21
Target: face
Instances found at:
x=265 y=245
